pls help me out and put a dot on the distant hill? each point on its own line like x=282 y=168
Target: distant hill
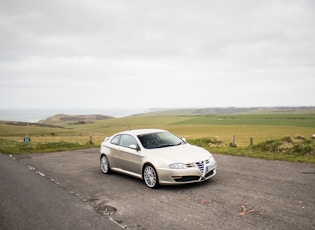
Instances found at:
x=83 y=119
x=75 y=118
x=227 y=110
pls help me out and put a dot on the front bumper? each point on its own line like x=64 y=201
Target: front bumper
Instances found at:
x=192 y=174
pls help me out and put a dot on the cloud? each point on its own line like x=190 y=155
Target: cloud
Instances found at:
x=156 y=54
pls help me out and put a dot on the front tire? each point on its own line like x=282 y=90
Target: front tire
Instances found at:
x=150 y=176
x=104 y=163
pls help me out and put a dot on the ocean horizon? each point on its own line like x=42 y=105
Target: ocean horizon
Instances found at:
x=37 y=114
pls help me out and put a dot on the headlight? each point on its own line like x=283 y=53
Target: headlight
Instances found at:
x=178 y=166
x=211 y=160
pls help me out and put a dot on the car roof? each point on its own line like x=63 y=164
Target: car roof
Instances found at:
x=141 y=131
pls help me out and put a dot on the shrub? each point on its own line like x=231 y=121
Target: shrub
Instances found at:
x=288 y=145
x=208 y=142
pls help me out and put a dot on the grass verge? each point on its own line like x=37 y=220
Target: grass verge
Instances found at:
x=287 y=149
x=14 y=147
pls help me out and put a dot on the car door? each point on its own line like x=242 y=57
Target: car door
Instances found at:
x=129 y=159
x=114 y=149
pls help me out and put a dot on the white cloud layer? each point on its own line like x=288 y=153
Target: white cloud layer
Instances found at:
x=178 y=53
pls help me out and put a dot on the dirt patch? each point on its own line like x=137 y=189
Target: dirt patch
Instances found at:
x=105 y=209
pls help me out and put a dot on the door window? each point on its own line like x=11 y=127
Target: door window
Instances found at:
x=116 y=140
x=127 y=140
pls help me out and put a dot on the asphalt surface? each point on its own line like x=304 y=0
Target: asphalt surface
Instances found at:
x=29 y=201
x=246 y=193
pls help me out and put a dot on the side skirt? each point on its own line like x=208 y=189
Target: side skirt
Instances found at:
x=119 y=170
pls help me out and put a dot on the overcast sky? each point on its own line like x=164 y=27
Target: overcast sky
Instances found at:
x=148 y=54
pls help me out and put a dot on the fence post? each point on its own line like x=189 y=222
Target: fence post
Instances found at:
x=251 y=141
x=233 y=141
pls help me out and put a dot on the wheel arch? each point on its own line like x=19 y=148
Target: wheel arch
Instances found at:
x=145 y=164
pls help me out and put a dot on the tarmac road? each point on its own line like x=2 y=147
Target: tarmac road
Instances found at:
x=246 y=193
x=29 y=201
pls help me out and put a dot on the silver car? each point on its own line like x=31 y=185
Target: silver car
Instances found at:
x=156 y=156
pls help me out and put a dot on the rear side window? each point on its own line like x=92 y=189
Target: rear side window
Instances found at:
x=115 y=140
x=127 y=140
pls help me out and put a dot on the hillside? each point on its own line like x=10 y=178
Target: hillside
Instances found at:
x=76 y=119
x=227 y=110
x=30 y=124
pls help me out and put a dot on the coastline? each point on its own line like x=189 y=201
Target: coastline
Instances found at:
x=37 y=114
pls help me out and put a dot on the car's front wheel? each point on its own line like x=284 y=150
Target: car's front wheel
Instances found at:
x=104 y=164
x=150 y=176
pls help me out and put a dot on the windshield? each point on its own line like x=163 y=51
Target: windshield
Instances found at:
x=159 y=140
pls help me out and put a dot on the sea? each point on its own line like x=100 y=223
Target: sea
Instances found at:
x=38 y=114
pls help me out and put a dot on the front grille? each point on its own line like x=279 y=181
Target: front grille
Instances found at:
x=187 y=178
x=201 y=166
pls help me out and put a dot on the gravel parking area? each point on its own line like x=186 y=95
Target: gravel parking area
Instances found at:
x=246 y=193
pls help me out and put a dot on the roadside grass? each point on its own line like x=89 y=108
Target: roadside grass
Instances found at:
x=14 y=147
x=286 y=149
x=260 y=127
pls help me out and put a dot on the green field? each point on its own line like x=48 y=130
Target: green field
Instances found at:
x=260 y=127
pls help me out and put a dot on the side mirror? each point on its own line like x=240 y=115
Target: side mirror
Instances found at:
x=135 y=147
x=184 y=139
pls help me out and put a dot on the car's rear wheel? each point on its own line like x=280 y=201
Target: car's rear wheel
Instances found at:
x=104 y=164
x=150 y=176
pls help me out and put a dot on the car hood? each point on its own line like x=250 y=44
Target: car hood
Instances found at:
x=180 y=154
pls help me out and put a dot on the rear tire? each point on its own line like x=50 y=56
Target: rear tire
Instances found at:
x=150 y=176
x=104 y=163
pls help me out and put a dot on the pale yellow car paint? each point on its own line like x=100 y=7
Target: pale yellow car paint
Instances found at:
x=130 y=160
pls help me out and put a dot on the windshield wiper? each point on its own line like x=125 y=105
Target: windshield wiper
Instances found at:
x=170 y=145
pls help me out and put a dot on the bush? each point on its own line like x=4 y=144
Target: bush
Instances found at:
x=288 y=145
x=208 y=142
